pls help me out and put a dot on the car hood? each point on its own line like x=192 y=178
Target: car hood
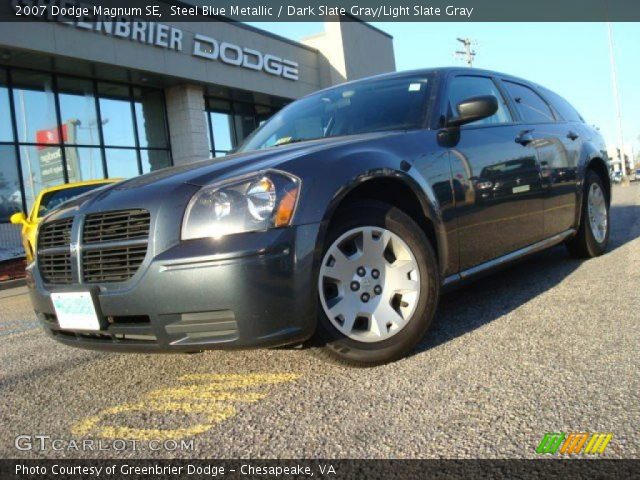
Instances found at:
x=176 y=185
x=204 y=172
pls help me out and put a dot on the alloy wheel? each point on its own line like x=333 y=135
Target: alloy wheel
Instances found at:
x=597 y=210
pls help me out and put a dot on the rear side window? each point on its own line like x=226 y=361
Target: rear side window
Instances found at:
x=532 y=108
x=564 y=108
x=464 y=87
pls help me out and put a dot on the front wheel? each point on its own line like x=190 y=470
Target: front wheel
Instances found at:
x=378 y=285
x=593 y=234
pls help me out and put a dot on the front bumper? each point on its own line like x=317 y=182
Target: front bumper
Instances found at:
x=246 y=290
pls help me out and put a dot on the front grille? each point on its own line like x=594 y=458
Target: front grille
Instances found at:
x=55 y=234
x=116 y=226
x=114 y=264
x=113 y=246
x=55 y=267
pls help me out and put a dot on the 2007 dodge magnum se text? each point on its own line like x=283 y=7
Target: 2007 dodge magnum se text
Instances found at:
x=339 y=220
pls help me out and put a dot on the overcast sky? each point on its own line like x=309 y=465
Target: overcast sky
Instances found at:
x=570 y=58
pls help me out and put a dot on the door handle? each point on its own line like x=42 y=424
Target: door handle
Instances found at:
x=572 y=135
x=524 y=138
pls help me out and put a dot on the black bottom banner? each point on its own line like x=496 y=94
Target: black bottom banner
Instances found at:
x=323 y=469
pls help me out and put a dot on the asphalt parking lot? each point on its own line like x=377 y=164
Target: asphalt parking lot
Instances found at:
x=549 y=345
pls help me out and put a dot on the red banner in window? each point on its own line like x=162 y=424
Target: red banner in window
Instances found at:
x=50 y=136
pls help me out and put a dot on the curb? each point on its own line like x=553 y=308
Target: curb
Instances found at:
x=18 y=282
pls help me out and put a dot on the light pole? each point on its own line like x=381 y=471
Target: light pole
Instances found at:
x=616 y=98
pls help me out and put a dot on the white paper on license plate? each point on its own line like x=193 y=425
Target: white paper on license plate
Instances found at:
x=75 y=311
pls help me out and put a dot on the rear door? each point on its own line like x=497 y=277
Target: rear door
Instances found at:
x=561 y=202
x=556 y=152
x=499 y=207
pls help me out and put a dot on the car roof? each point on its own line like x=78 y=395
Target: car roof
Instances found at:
x=433 y=71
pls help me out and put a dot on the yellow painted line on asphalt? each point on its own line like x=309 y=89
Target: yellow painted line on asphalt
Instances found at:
x=209 y=397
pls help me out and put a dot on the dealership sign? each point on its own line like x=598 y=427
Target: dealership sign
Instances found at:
x=50 y=154
x=162 y=36
x=51 y=136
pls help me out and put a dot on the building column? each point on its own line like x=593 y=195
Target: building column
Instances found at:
x=346 y=48
x=187 y=125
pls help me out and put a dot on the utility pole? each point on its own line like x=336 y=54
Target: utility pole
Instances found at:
x=467 y=54
x=616 y=98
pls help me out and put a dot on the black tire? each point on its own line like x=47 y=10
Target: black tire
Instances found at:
x=334 y=345
x=584 y=244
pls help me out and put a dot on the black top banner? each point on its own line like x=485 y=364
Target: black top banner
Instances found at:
x=306 y=10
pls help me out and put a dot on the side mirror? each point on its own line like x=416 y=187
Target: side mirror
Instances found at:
x=18 y=218
x=474 y=108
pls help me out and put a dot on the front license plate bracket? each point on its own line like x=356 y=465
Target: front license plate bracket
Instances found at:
x=78 y=310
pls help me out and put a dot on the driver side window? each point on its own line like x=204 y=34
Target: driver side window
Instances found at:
x=464 y=87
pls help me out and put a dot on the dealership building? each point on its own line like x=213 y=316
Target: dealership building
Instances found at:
x=96 y=98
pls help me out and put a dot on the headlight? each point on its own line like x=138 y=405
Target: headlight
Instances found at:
x=250 y=203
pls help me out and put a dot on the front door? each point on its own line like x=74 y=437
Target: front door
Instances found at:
x=495 y=167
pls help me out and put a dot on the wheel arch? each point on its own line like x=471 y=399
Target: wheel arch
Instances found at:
x=399 y=189
x=599 y=166
x=596 y=164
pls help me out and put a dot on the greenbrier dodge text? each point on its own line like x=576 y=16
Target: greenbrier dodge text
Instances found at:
x=174 y=470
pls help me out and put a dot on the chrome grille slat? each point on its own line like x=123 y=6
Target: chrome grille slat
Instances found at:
x=116 y=245
x=114 y=251
x=116 y=226
x=55 y=265
x=55 y=234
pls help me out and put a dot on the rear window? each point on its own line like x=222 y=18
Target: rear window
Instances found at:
x=532 y=108
x=564 y=108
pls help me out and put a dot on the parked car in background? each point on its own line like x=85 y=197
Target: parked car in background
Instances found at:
x=616 y=177
x=341 y=219
x=49 y=199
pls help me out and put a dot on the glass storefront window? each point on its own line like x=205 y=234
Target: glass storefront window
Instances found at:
x=122 y=162
x=231 y=122
x=150 y=118
x=78 y=111
x=206 y=122
x=221 y=125
x=42 y=167
x=263 y=113
x=10 y=195
x=244 y=117
x=220 y=121
x=35 y=107
x=63 y=134
x=117 y=117
x=6 y=127
x=153 y=160
x=219 y=105
x=84 y=164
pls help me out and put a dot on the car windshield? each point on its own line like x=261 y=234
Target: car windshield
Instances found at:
x=52 y=200
x=362 y=107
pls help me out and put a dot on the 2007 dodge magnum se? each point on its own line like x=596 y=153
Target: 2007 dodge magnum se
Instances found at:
x=339 y=220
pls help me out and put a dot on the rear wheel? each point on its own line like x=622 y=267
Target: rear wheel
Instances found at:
x=378 y=285
x=593 y=234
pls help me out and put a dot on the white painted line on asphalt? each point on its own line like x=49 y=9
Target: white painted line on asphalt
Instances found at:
x=20 y=327
x=13 y=292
